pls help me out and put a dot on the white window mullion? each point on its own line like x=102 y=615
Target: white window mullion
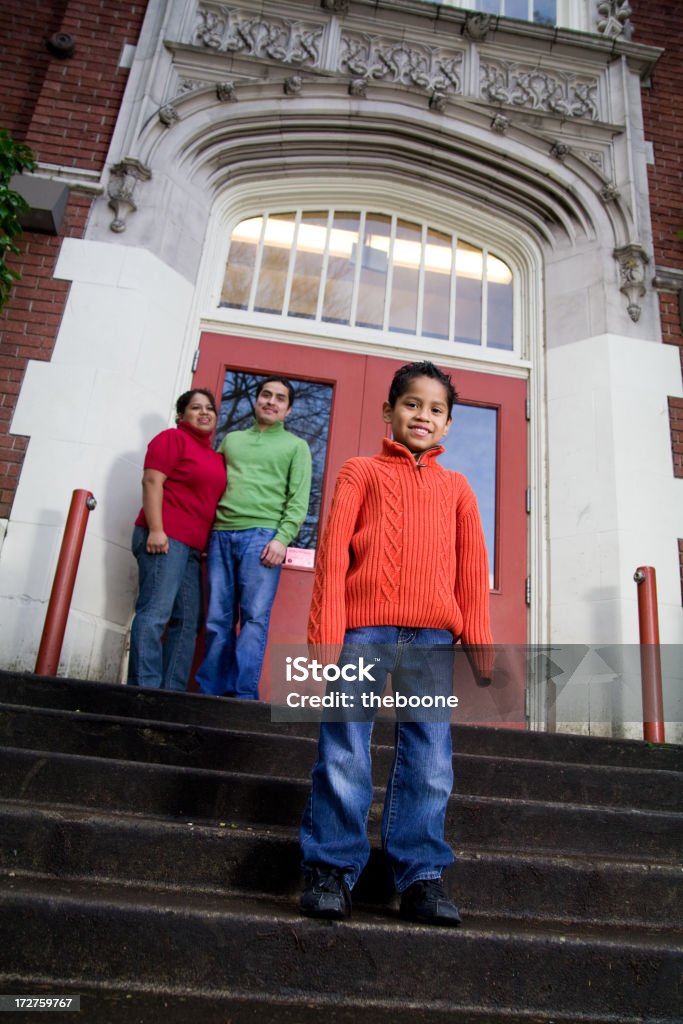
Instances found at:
x=360 y=245
x=323 y=268
x=257 y=262
x=290 y=265
x=451 y=304
x=390 y=274
x=484 y=298
x=421 y=282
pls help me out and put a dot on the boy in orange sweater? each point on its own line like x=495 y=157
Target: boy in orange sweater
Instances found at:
x=401 y=575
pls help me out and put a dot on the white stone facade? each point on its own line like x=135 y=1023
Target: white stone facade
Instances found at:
x=527 y=136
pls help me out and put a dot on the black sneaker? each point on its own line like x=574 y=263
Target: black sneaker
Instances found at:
x=426 y=902
x=325 y=894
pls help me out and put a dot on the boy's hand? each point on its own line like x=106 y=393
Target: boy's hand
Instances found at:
x=273 y=554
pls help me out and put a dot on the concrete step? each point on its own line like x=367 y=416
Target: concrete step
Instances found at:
x=194 y=794
x=197 y=709
x=262 y=950
x=195 y=746
x=135 y=1004
x=76 y=844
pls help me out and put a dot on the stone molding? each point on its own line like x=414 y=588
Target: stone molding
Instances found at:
x=668 y=279
x=449 y=70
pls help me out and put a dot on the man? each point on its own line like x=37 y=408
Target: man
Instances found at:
x=259 y=515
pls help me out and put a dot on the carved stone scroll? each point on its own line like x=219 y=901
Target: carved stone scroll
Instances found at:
x=121 y=190
x=632 y=261
x=536 y=89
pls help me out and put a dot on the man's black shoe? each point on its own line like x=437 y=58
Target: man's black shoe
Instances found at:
x=426 y=902
x=325 y=894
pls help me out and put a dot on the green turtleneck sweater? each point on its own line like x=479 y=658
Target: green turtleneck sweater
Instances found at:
x=269 y=481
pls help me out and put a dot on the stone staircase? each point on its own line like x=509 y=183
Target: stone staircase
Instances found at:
x=149 y=862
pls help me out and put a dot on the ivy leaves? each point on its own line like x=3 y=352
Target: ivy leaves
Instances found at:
x=15 y=157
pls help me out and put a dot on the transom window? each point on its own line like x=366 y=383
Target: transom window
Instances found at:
x=543 y=12
x=365 y=269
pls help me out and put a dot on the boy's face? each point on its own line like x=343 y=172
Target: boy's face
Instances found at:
x=272 y=404
x=420 y=417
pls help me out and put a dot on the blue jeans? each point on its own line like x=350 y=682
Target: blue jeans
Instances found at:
x=334 y=827
x=169 y=598
x=241 y=591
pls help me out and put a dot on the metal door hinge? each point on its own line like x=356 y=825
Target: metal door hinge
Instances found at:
x=195 y=361
x=527 y=409
x=527 y=591
x=528 y=499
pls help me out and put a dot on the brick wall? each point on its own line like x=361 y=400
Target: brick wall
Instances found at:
x=66 y=110
x=660 y=25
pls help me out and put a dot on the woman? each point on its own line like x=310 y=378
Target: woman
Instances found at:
x=182 y=481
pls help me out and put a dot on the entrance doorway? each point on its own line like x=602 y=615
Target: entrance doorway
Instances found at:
x=343 y=393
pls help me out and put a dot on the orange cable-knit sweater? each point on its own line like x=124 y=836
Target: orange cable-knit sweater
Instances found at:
x=403 y=546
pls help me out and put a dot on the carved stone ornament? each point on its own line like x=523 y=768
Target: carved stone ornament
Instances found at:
x=438 y=100
x=594 y=158
x=613 y=18
x=427 y=67
x=230 y=31
x=293 y=85
x=358 y=87
x=168 y=115
x=500 y=124
x=336 y=6
x=226 y=92
x=609 y=193
x=560 y=150
x=632 y=261
x=121 y=190
x=477 y=26
x=535 y=89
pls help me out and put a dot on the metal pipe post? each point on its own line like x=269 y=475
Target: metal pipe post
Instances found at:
x=82 y=503
x=650 y=657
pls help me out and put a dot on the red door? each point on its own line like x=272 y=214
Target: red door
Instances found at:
x=489 y=429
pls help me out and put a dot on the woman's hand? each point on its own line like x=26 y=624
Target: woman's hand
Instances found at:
x=152 y=503
x=157 y=543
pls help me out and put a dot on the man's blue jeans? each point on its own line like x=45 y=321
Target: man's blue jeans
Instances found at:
x=241 y=590
x=169 y=598
x=334 y=827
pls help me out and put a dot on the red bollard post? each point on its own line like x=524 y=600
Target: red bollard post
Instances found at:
x=82 y=502
x=650 y=659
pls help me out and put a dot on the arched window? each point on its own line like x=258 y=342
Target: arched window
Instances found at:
x=370 y=270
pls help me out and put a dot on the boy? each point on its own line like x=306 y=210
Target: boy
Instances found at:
x=260 y=513
x=402 y=566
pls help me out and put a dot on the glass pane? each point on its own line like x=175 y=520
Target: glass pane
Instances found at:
x=277 y=246
x=437 y=284
x=309 y=418
x=239 y=272
x=499 y=308
x=374 y=256
x=545 y=12
x=310 y=246
x=471 y=447
x=517 y=9
x=406 y=258
x=340 y=268
x=468 y=269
